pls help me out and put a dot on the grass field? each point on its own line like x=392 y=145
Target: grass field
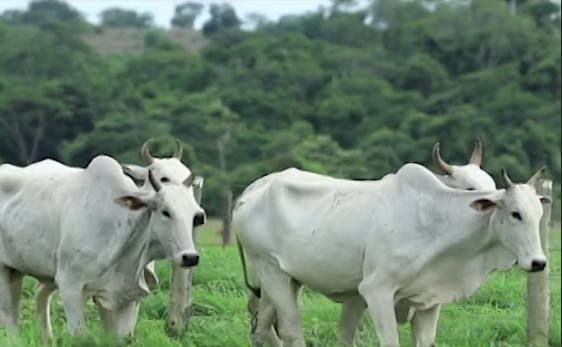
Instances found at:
x=494 y=317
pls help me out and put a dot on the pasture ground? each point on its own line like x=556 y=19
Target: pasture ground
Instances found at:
x=494 y=317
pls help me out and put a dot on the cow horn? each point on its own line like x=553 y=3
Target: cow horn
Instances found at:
x=188 y=182
x=448 y=169
x=533 y=180
x=508 y=184
x=146 y=152
x=154 y=182
x=179 y=150
x=476 y=157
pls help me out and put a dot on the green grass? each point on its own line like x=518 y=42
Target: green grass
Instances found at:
x=494 y=317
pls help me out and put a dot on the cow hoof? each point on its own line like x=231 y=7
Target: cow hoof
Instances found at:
x=128 y=340
x=174 y=329
x=47 y=340
x=310 y=343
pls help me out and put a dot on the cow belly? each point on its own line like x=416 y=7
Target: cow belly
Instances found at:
x=313 y=243
x=330 y=270
x=28 y=244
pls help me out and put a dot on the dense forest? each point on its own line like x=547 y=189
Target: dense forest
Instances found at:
x=350 y=91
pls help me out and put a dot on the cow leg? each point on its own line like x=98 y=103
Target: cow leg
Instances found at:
x=126 y=319
x=282 y=291
x=361 y=323
x=6 y=299
x=424 y=326
x=121 y=322
x=262 y=323
x=177 y=319
x=74 y=303
x=351 y=313
x=16 y=279
x=380 y=301
x=404 y=311
x=267 y=317
x=106 y=317
x=43 y=296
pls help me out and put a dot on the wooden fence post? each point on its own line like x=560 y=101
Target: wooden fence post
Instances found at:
x=198 y=184
x=538 y=284
x=226 y=218
x=181 y=295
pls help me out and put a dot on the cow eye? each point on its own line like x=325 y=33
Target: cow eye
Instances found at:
x=164 y=180
x=166 y=213
x=516 y=215
x=471 y=188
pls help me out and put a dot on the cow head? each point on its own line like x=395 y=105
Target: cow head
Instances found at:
x=165 y=170
x=465 y=177
x=174 y=215
x=515 y=217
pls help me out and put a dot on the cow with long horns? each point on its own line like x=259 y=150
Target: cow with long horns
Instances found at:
x=167 y=170
x=103 y=240
x=463 y=177
x=466 y=177
x=164 y=170
x=411 y=240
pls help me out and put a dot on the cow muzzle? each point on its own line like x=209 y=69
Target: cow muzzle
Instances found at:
x=538 y=265
x=188 y=259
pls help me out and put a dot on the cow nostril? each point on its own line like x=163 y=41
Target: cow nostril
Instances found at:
x=189 y=260
x=538 y=265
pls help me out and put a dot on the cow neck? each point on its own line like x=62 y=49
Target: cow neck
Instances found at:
x=151 y=246
x=155 y=251
x=130 y=258
x=130 y=244
x=468 y=237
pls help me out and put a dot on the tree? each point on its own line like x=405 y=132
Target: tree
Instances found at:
x=186 y=13
x=120 y=18
x=223 y=16
x=354 y=92
x=44 y=13
x=158 y=39
x=11 y=16
x=256 y=20
x=26 y=115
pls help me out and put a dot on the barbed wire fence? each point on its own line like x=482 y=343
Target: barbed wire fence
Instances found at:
x=539 y=285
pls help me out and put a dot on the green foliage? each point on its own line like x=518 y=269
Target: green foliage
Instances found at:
x=45 y=13
x=223 y=17
x=348 y=91
x=157 y=38
x=121 y=18
x=186 y=13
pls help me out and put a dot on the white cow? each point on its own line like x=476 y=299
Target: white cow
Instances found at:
x=401 y=239
x=169 y=170
x=166 y=170
x=465 y=177
x=92 y=232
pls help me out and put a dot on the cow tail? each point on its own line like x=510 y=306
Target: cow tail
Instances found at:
x=255 y=289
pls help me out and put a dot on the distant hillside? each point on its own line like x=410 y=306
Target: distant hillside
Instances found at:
x=131 y=40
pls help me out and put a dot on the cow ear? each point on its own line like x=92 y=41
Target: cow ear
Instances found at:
x=483 y=205
x=545 y=200
x=131 y=202
x=198 y=182
x=135 y=171
x=150 y=278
